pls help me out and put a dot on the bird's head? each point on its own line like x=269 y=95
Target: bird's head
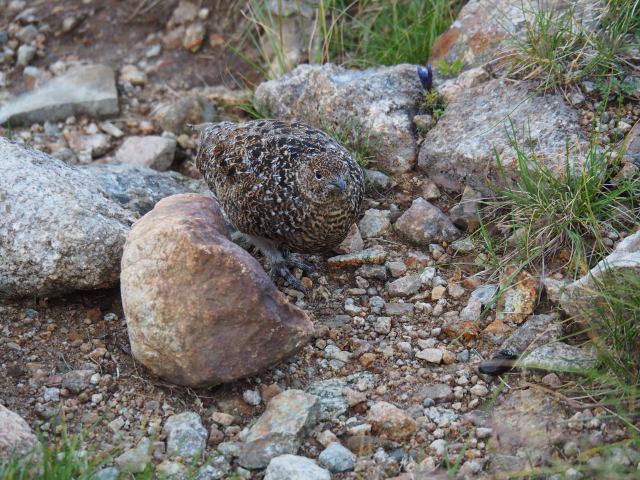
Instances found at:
x=325 y=178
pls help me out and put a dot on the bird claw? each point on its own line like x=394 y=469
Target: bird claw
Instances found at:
x=281 y=270
x=302 y=266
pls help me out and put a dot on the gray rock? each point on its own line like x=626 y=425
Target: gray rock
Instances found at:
x=558 y=357
x=135 y=460
x=577 y=297
x=525 y=425
x=380 y=101
x=436 y=392
x=334 y=353
x=485 y=293
x=333 y=402
x=480 y=33
x=405 y=286
x=281 y=428
x=27 y=34
x=352 y=242
x=215 y=468
x=176 y=115
x=25 y=55
x=88 y=90
x=378 y=180
x=479 y=119
x=424 y=223
x=372 y=271
x=337 y=458
x=293 y=467
x=169 y=470
x=252 y=397
x=441 y=416
x=186 y=436
x=151 y=151
x=431 y=355
x=94 y=145
x=139 y=188
x=51 y=394
x=382 y=325
x=15 y=434
x=77 y=380
x=396 y=269
x=107 y=473
x=398 y=308
x=58 y=230
x=374 y=223
x=537 y=330
x=230 y=449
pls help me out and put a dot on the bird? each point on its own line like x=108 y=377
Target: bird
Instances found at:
x=285 y=186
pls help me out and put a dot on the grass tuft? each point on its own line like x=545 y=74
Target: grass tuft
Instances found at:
x=62 y=459
x=357 y=34
x=546 y=217
x=562 y=47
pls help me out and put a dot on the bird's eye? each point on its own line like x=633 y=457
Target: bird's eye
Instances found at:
x=318 y=175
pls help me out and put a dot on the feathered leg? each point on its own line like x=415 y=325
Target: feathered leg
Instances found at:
x=279 y=262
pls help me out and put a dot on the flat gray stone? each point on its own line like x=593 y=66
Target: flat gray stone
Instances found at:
x=77 y=380
x=135 y=460
x=281 y=428
x=558 y=357
x=151 y=150
x=88 y=90
x=436 y=392
x=294 y=467
x=537 y=330
x=405 y=286
x=138 y=188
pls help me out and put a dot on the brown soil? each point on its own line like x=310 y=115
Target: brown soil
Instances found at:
x=117 y=32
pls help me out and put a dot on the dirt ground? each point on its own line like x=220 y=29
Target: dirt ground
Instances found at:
x=116 y=32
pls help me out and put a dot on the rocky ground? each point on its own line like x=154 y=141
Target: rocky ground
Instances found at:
x=388 y=384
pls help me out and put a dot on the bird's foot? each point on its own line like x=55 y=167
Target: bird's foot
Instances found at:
x=292 y=262
x=280 y=269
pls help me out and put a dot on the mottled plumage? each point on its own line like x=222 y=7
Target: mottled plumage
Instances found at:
x=285 y=185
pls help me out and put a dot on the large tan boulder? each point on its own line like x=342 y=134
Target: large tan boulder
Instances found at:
x=200 y=310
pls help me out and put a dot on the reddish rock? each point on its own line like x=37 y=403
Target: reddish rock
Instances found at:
x=352 y=243
x=200 y=310
x=464 y=329
x=480 y=31
x=362 y=444
x=390 y=422
x=425 y=223
x=520 y=299
x=496 y=332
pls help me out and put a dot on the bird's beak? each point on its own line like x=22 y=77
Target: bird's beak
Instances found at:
x=341 y=184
